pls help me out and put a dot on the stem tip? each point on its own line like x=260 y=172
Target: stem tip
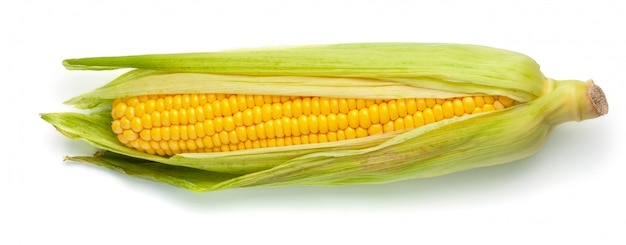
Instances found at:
x=598 y=99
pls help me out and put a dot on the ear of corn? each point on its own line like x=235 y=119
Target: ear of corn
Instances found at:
x=392 y=72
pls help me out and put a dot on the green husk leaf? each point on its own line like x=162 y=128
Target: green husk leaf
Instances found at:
x=446 y=67
x=142 y=82
x=188 y=178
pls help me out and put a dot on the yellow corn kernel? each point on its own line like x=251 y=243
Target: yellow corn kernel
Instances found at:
x=286 y=123
x=175 y=132
x=247 y=117
x=270 y=132
x=373 y=113
x=361 y=132
x=119 y=110
x=251 y=133
x=353 y=118
x=238 y=118
x=333 y=122
x=258 y=100
x=173 y=118
x=334 y=106
x=506 y=101
x=241 y=133
x=429 y=117
x=437 y=112
x=295 y=128
x=129 y=112
x=140 y=109
x=129 y=135
x=383 y=113
x=418 y=119
x=324 y=105
x=207 y=111
x=191 y=116
x=223 y=137
x=351 y=104
x=303 y=124
x=257 y=114
x=155 y=134
x=393 y=110
x=468 y=104
x=323 y=124
x=498 y=105
x=135 y=124
x=388 y=127
x=296 y=106
x=411 y=106
x=306 y=106
x=116 y=126
x=459 y=109
x=408 y=122
x=229 y=123
x=322 y=138
x=364 y=118
x=209 y=127
x=402 y=109
x=315 y=106
x=287 y=109
x=191 y=132
x=296 y=140
x=421 y=104
x=124 y=123
x=489 y=99
x=132 y=101
x=360 y=104
x=266 y=112
x=278 y=128
x=350 y=132
x=233 y=138
x=260 y=131
x=398 y=124
x=313 y=124
x=448 y=109
x=488 y=107
x=277 y=110
x=341 y=135
x=479 y=101
x=312 y=138
x=218 y=124
x=375 y=129
x=342 y=121
x=200 y=132
x=165 y=133
x=343 y=106
x=332 y=137
x=183 y=118
x=430 y=102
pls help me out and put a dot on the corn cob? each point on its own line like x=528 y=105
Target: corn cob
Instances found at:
x=320 y=115
x=173 y=124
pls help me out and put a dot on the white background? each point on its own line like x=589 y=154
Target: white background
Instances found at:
x=571 y=192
